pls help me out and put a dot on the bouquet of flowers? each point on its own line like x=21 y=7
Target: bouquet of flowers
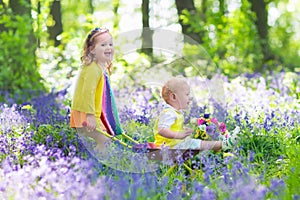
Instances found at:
x=208 y=128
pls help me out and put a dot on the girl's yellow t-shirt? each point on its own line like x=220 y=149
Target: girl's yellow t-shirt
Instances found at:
x=88 y=92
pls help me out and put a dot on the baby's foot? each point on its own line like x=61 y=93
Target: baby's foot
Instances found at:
x=230 y=139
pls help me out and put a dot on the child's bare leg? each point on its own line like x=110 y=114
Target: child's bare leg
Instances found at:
x=101 y=139
x=211 y=145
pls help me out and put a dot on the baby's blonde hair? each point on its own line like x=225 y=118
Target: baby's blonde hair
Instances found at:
x=173 y=85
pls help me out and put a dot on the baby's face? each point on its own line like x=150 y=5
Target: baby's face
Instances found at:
x=183 y=97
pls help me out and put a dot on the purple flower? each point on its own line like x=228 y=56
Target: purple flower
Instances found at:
x=277 y=186
x=251 y=156
x=206 y=116
x=210 y=130
x=222 y=127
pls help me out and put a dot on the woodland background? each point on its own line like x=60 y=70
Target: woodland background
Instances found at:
x=41 y=41
x=241 y=58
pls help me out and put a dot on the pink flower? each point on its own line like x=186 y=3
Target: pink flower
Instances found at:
x=222 y=127
x=214 y=120
x=201 y=121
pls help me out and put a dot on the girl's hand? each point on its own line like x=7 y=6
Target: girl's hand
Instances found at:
x=91 y=122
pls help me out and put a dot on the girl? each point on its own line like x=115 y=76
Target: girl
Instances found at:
x=93 y=106
x=169 y=128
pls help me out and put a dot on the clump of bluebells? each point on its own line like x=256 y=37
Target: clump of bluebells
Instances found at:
x=40 y=176
x=42 y=158
x=42 y=121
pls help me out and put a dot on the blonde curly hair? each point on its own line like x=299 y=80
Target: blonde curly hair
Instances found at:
x=89 y=44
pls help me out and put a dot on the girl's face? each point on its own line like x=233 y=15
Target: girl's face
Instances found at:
x=104 y=49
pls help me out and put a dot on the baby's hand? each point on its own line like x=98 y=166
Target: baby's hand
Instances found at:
x=187 y=132
x=194 y=121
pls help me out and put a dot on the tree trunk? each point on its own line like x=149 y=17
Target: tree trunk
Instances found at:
x=147 y=41
x=18 y=52
x=91 y=7
x=116 y=4
x=190 y=7
x=2 y=12
x=259 y=7
x=203 y=9
x=19 y=9
x=221 y=51
x=222 y=7
x=38 y=22
x=57 y=28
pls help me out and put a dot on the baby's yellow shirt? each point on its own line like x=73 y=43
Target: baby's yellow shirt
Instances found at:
x=177 y=126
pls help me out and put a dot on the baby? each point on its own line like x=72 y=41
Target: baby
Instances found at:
x=169 y=128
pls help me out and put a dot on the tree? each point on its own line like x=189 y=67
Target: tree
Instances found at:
x=222 y=7
x=23 y=8
x=2 y=13
x=187 y=29
x=56 y=27
x=19 y=74
x=259 y=7
x=147 y=32
x=116 y=4
x=91 y=7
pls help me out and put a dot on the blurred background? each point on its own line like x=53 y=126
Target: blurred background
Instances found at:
x=41 y=41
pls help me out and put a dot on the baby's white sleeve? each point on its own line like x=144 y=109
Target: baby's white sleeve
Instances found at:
x=166 y=119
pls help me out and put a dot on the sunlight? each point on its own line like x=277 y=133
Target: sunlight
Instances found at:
x=274 y=14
